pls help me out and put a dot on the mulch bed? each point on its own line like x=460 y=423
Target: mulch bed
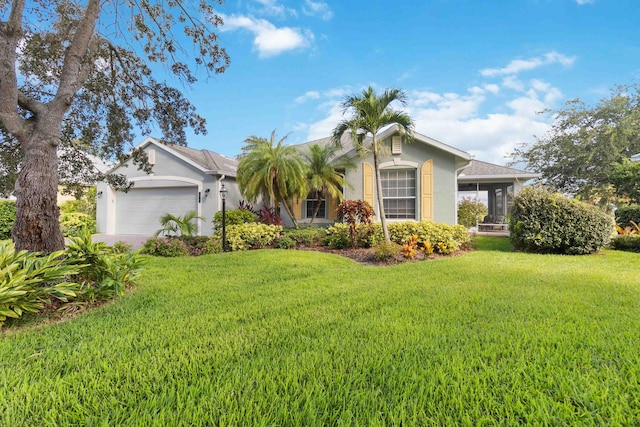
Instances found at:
x=366 y=256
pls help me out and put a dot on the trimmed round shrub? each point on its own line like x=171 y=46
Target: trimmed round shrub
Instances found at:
x=251 y=236
x=385 y=251
x=626 y=214
x=7 y=218
x=545 y=222
x=72 y=223
x=233 y=217
x=167 y=247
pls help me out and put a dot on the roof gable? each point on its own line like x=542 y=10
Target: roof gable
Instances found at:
x=204 y=160
x=348 y=145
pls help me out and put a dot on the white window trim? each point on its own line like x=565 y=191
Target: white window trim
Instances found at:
x=414 y=168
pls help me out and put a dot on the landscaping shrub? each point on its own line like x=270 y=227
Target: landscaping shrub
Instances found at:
x=285 y=242
x=337 y=236
x=629 y=243
x=103 y=273
x=213 y=245
x=410 y=247
x=546 y=222
x=179 y=225
x=384 y=251
x=362 y=235
x=353 y=213
x=626 y=214
x=470 y=212
x=27 y=280
x=73 y=223
x=121 y=247
x=251 y=236
x=85 y=205
x=163 y=246
x=432 y=237
x=265 y=215
x=196 y=245
x=233 y=217
x=306 y=236
x=7 y=218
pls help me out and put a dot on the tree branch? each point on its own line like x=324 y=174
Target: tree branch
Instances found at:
x=30 y=104
x=74 y=56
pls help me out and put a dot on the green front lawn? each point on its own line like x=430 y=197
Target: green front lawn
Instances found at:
x=277 y=337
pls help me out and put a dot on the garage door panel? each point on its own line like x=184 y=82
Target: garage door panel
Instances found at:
x=139 y=211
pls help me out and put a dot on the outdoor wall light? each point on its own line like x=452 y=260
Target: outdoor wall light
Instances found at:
x=206 y=192
x=99 y=194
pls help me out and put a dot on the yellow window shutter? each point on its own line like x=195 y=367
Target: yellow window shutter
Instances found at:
x=367 y=181
x=426 y=191
x=297 y=208
x=332 y=206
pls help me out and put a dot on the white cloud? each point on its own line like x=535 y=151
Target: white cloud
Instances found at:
x=317 y=8
x=311 y=94
x=581 y=2
x=272 y=8
x=518 y=65
x=269 y=40
x=461 y=119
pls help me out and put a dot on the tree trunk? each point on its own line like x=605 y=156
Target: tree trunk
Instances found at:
x=289 y=210
x=383 y=218
x=317 y=209
x=37 y=225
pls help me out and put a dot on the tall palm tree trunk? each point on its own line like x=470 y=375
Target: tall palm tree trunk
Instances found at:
x=317 y=208
x=376 y=167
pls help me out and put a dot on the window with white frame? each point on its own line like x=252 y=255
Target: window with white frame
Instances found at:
x=310 y=206
x=399 y=193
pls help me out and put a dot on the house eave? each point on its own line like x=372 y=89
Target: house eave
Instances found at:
x=486 y=178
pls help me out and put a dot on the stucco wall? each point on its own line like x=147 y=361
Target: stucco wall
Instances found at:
x=413 y=155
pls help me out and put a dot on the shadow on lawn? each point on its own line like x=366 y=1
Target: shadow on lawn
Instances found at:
x=487 y=243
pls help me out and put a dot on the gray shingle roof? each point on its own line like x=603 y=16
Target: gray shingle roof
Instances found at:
x=208 y=159
x=478 y=169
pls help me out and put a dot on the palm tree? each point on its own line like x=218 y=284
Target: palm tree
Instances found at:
x=271 y=171
x=371 y=113
x=323 y=179
x=180 y=225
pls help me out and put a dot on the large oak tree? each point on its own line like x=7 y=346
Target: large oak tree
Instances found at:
x=76 y=78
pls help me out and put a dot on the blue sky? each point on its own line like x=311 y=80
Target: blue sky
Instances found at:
x=476 y=72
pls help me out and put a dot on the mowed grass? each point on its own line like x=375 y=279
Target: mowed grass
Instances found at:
x=280 y=338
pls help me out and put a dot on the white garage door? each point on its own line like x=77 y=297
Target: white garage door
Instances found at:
x=138 y=212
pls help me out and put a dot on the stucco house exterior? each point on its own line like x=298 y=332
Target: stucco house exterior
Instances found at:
x=183 y=179
x=421 y=180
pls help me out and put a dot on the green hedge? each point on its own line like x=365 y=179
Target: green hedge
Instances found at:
x=7 y=218
x=443 y=238
x=72 y=223
x=626 y=243
x=626 y=214
x=252 y=235
x=545 y=222
x=233 y=217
